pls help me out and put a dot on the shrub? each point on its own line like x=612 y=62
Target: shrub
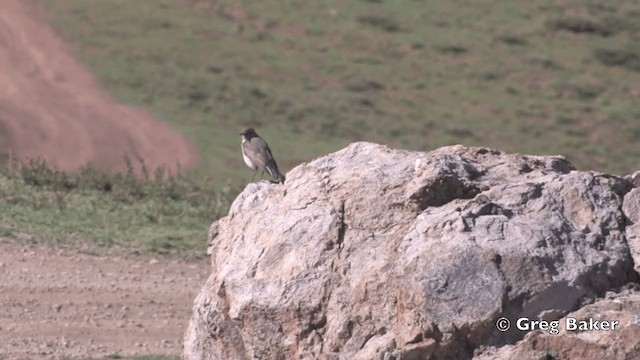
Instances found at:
x=578 y=24
x=624 y=57
x=385 y=23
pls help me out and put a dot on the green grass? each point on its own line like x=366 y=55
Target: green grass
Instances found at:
x=100 y=212
x=541 y=77
x=314 y=76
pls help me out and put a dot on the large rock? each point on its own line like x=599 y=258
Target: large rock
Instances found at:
x=377 y=253
x=617 y=341
x=631 y=208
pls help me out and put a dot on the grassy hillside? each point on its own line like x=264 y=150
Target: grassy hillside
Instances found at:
x=539 y=77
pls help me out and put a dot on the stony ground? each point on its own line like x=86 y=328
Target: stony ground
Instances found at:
x=61 y=303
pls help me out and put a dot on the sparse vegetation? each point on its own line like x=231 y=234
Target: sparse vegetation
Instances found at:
x=327 y=73
x=579 y=24
x=386 y=23
x=512 y=39
x=627 y=57
x=580 y=91
x=533 y=77
x=101 y=212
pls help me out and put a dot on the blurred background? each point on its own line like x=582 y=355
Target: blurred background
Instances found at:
x=543 y=77
x=535 y=77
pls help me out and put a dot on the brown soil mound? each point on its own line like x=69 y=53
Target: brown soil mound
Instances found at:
x=52 y=108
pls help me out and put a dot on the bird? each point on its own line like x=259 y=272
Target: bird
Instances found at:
x=257 y=155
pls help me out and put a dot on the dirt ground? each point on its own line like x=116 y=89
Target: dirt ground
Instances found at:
x=60 y=303
x=51 y=106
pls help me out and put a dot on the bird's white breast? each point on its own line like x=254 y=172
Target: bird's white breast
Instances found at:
x=245 y=157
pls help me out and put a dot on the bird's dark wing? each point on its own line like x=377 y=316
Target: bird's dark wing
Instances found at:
x=261 y=158
x=270 y=163
x=265 y=159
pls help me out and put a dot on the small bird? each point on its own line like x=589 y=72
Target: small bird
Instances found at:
x=257 y=155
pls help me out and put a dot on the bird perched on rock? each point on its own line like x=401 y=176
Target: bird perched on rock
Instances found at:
x=257 y=155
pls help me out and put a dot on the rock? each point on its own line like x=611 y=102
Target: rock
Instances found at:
x=631 y=208
x=619 y=343
x=378 y=253
x=634 y=178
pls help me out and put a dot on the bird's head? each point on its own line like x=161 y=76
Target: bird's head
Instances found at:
x=248 y=132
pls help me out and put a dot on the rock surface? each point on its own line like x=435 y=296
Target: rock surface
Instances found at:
x=631 y=208
x=619 y=343
x=378 y=253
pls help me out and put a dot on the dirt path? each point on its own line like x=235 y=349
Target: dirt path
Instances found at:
x=59 y=303
x=51 y=106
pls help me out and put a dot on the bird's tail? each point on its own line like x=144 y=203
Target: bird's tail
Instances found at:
x=272 y=169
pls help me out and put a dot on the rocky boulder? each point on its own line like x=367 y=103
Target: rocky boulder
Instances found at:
x=605 y=342
x=378 y=253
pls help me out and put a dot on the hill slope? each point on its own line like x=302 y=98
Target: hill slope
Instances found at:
x=543 y=77
x=52 y=108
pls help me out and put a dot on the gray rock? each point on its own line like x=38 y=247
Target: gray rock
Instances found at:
x=612 y=342
x=378 y=253
x=631 y=208
x=634 y=178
